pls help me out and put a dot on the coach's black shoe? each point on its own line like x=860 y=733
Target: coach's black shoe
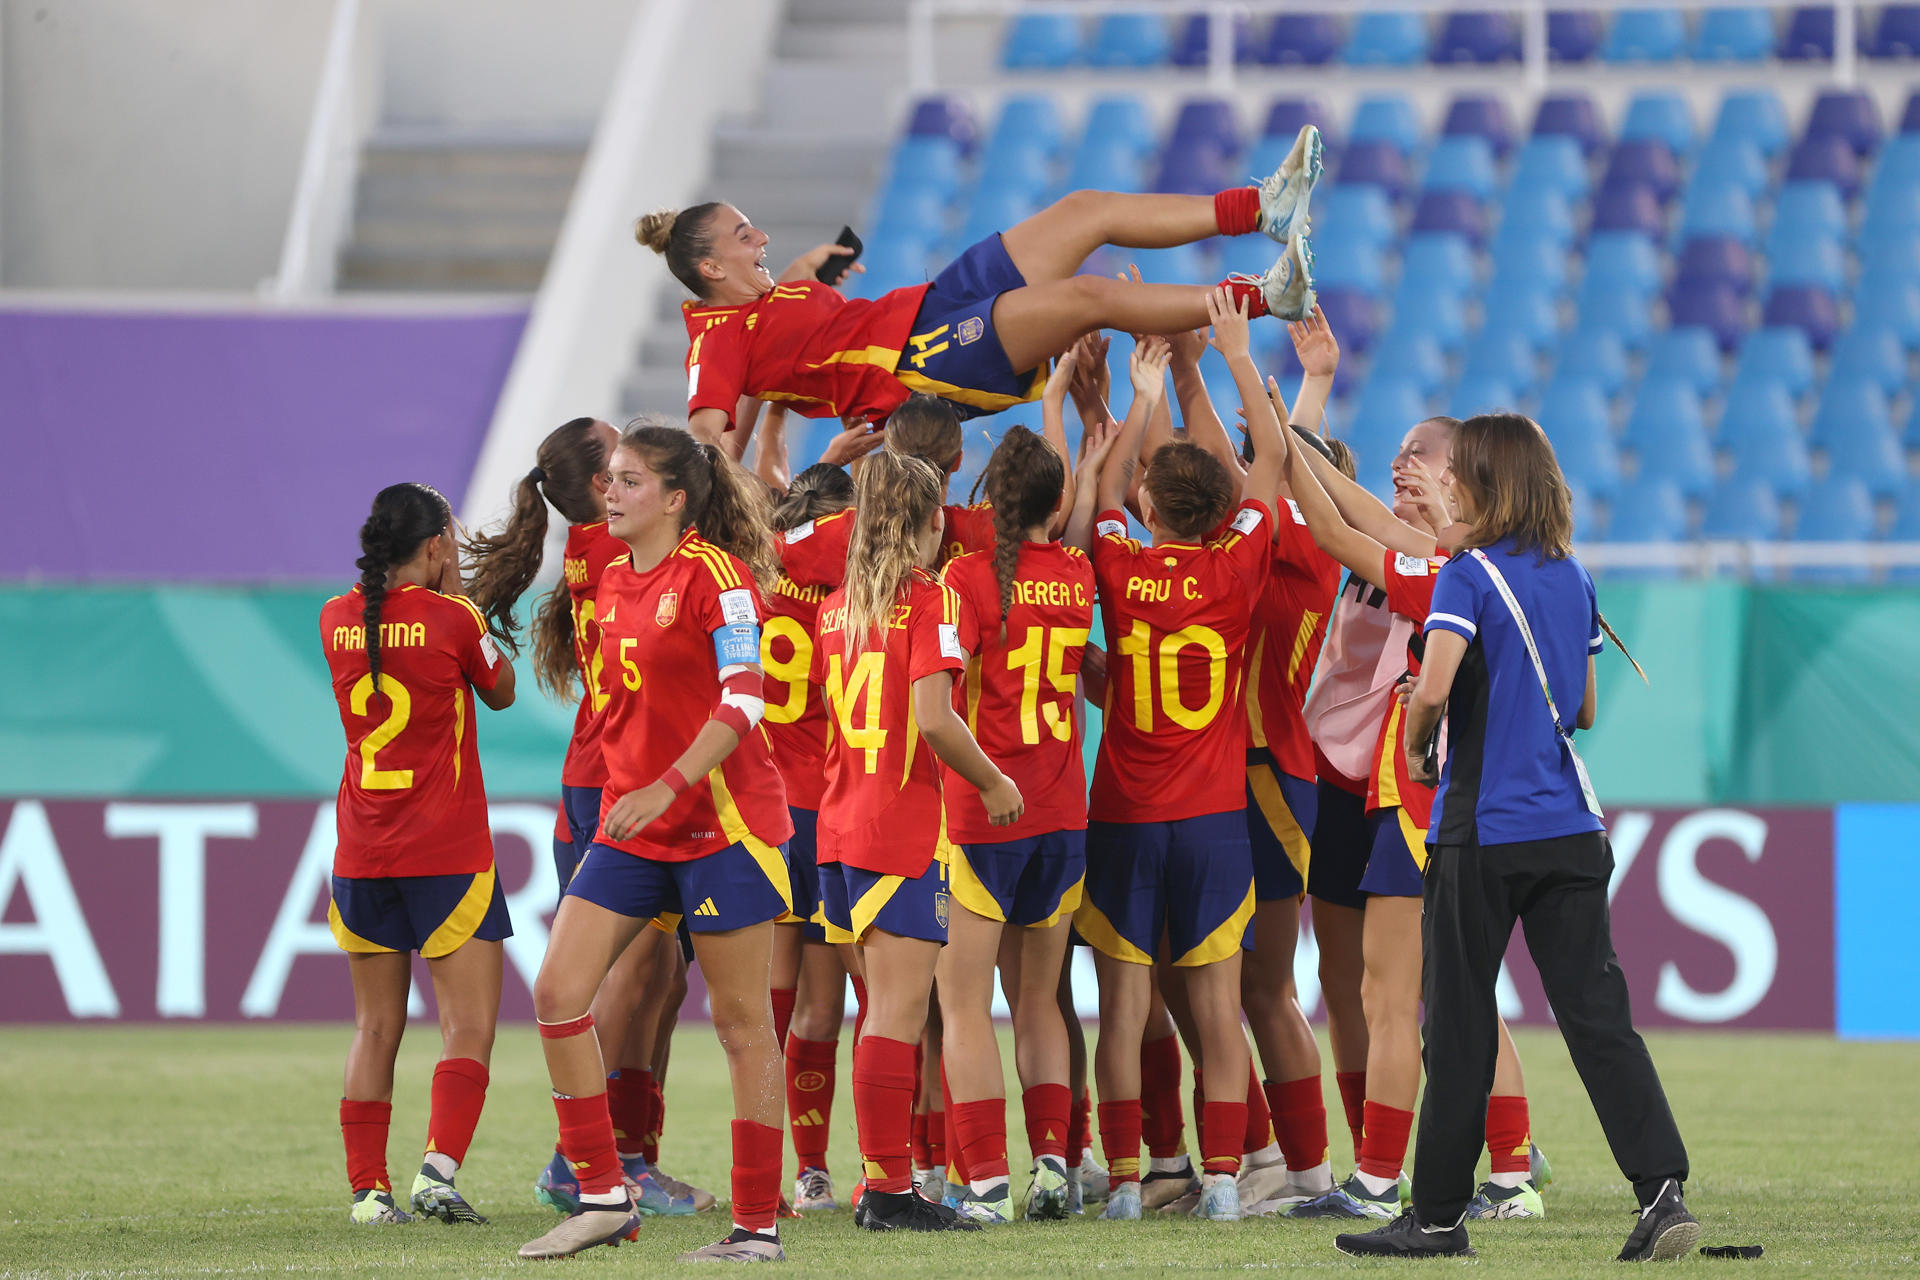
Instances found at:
x=1406 y=1238
x=1665 y=1230
x=906 y=1211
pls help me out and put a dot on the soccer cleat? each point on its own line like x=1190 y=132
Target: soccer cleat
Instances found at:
x=1406 y=1238
x=702 y=1199
x=741 y=1246
x=1162 y=1187
x=908 y=1211
x=1092 y=1178
x=653 y=1199
x=1495 y=1201
x=1665 y=1229
x=434 y=1197
x=374 y=1208
x=813 y=1192
x=1285 y=192
x=989 y=1209
x=1537 y=1166
x=594 y=1224
x=1050 y=1198
x=557 y=1188
x=1404 y=1187
x=1261 y=1183
x=931 y=1183
x=1219 y=1199
x=1350 y=1199
x=1302 y=1186
x=1123 y=1203
x=1287 y=287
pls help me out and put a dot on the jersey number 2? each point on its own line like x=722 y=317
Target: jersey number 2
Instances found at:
x=400 y=702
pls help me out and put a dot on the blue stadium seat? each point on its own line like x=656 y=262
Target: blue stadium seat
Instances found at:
x=1411 y=355
x=1688 y=354
x=894 y=262
x=1662 y=114
x=1734 y=35
x=1178 y=264
x=1129 y=40
x=1573 y=35
x=1770 y=451
x=1725 y=211
x=1910 y=117
x=1617 y=310
x=1596 y=356
x=1741 y=508
x=1504 y=356
x=1539 y=265
x=1193 y=40
x=1365 y=208
x=1898 y=35
x=1551 y=164
x=1533 y=313
x=1386 y=117
x=1450 y=211
x=1664 y=408
x=1353 y=316
x=1759 y=407
x=1534 y=216
x=1651 y=509
x=1571 y=115
x=1386 y=39
x=1714 y=260
x=1652 y=34
x=1808 y=36
x=1575 y=418
x=943 y=117
x=910 y=212
x=1820 y=262
x=1440 y=257
x=1855 y=427
x=1207 y=122
x=1252 y=255
x=1475 y=36
x=1805 y=211
x=1892 y=208
x=1463 y=162
x=1837 y=509
x=1825 y=159
x=1481 y=393
x=1436 y=312
x=1622 y=259
x=1028 y=120
x=1868 y=357
x=1717 y=308
x=1871 y=457
x=1194 y=170
x=1730 y=162
x=993 y=210
x=1343 y=263
x=1119 y=118
x=1898 y=166
x=1906 y=521
x=1480 y=115
x=1850 y=115
x=1755 y=115
x=1264 y=156
x=1286 y=115
x=1387 y=407
x=1113 y=165
x=1377 y=163
x=1301 y=39
x=1020 y=169
x=1632 y=208
x=1041 y=42
x=1778 y=354
x=1647 y=162
x=1807 y=307
x=932 y=163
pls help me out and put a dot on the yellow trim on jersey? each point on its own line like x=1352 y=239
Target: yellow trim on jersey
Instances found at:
x=1256 y=722
x=479 y=619
x=1223 y=941
x=465 y=917
x=1416 y=838
x=459 y=728
x=1272 y=800
x=971 y=892
x=1389 y=743
x=974 y=676
x=887 y=358
x=1103 y=937
x=772 y=862
x=714 y=559
x=346 y=939
x=1309 y=624
x=991 y=401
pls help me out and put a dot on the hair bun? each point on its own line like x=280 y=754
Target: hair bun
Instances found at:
x=655 y=230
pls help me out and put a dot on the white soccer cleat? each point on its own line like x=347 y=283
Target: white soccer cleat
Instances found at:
x=1288 y=285
x=1284 y=194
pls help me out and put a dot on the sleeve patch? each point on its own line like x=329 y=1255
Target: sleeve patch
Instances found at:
x=736 y=644
x=1414 y=566
x=1294 y=507
x=487 y=651
x=693 y=381
x=950 y=646
x=736 y=606
x=1248 y=520
x=1111 y=528
x=799 y=532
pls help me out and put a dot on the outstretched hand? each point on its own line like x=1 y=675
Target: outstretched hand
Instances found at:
x=1314 y=343
x=1148 y=368
x=857 y=441
x=1091 y=377
x=1095 y=444
x=1062 y=376
x=1230 y=334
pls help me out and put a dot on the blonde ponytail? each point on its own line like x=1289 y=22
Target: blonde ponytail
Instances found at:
x=897 y=497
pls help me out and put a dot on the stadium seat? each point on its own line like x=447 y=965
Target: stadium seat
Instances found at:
x=910 y=212
x=1376 y=163
x=1663 y=407
x=1743 y=509
x=992 y=210
x=1412 y=355
x=1575 y=417
x=1450 y=211
x=1534 y=216
x=1342 y=262
x=1734 y=35
x=1651 y=509
x=1129 y=40
x=1301 y=39
x=1501 y=355
x=1647 y=162
x=1805 y=211
x=1481 y=115
x=943 y=117
x=1662 y=114
x=1711 y=260
x=1286 y=115
x=1481 y=393
x=1870 y=455
x=1808 y=36
x=1680 y=456
x=1193 y=40
x=1892 y=208
x=929 y=162
x=1358 y=208
x=1177 y=264
x=1475 y=36
x=1200 y=169
x=1779 y=354
x=1820 y=262
x=1443 y=258
x=1539 y=265
x=891 y=263
x=1837 y=509
x=1898 y=34
x=1436 y=312
x=1595 y=356
x=1107 y=166
x=1717 y=308
x=1571 y=115
x=1850 y=115
x=1041 y=42
x=1386 y=39
x=1207 y=122
x=1725 y=211
x=1589 y=521
x=1760 y=408
x=1386 y=117
x=1573 y=35
x=1028 y=120
x=1688 y=354
x=1825 y=159
x=1910 y=116
x=1020 y=169
x=1809 y=308
x=1906 y=521
x=1754 y=115
x=1252 y=255
x=1463 y=162
x=1767 y=453
x=1854 y=423
x=1353 y=316
x=1868 y=357
x=1120 y=119
x=1551 y=164
x=1622 y=259
x=1652 y=34
x=1730 y=162
x=1530 y=312
x=1897 y=168
x=1633 y=207
x=1386 y=408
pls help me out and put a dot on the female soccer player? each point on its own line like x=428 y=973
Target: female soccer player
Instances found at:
x=691 y=825
x=1167 y=852
x=1518 y=834
x=887 y=648
x=413 y=869
x=1026 y=613
x=979 y=335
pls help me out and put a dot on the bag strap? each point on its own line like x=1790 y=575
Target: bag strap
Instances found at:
x=1560 y=728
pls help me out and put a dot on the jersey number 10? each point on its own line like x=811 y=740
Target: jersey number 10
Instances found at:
x=1143 y=661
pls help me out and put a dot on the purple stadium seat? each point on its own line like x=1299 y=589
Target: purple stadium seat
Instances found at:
x=1573 y=35
x=942 y=117
x=1850 y=115
x=1646 y=161
x=1451 y=211
x=1378 y=164
x=1302 y=39
x=1475 y=36
x=1717 y=308
x=1629 y=208
x=1483 y=115
x=1199 y=169
x=1286 y=115
x=1809 y=35
x=1193 y=41
x=1353 y=315
x=1575 y=116
x=1806 y=307
x=1898 y=35
x=1825 y=159
x=1714 y=260
x=1207 y=122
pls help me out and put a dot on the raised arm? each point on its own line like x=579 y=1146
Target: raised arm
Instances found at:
x=1089 y=386
x=1333 y=535
x=808 y=264
x=709 y=426
x=1053 y=426
x=1204 y=427
x=1270 y=445
x=1149 y=373
x=1095 y=445
x=771 y=463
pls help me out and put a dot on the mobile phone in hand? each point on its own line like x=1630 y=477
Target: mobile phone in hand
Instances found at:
x=835 y=269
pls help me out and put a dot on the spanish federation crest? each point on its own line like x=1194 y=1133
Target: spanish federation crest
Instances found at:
x=971 y=330
x=940 y=909
x=668 y=609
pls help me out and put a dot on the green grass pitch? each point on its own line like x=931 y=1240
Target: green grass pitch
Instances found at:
x=214 y=1151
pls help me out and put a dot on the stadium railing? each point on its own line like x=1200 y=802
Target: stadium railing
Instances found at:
x=1754 y=560
x=342 y=118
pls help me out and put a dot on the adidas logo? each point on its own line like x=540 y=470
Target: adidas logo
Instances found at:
x=810 y=1117
x=706 y=909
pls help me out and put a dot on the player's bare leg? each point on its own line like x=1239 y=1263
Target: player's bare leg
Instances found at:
x=381 y=981
x=466 y=990
x=1288 y=1051
x=1054 y=243
x=819 y=1010
x=968 y=1066
x=1338 y=932
x=1126 y=992
x=1213 y=995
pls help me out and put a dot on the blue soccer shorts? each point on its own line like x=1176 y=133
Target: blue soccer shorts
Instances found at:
x=434 y=915
x=1342 y=844
x=1397 y=858
x=1191 y=880
x=803 y=869
x=954 y=352
x=856 y=902
x=1280 y=815
x=581 y=807
x=746 y=883
x=1034 y=882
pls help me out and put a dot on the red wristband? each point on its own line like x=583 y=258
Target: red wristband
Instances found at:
x=675 y=780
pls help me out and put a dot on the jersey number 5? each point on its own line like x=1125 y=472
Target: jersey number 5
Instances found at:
x=1053 y=646
x=400 y=702
x=792 y=669
x=868 y=671
x=1138 y=648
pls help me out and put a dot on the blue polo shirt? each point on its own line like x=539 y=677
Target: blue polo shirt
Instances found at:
x=1507 y=778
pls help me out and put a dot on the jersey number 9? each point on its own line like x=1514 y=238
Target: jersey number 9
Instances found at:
x=1138 y=648
x=1053 y=646
x=792 y=670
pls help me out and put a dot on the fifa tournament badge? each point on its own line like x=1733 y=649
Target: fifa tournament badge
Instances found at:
x=668 y=609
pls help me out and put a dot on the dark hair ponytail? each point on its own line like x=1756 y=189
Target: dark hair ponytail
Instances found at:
x=403 y=517
x=728 y=506
x=820 y=490
x=1024 y=478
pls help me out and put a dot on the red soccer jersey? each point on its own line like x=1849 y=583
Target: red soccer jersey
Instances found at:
x=661 y=632
x=821 y=555
x=802 y=345
x=969 y=529
x=1177 y=617
x=589 y=551
x=411 y=801
x=882 y=810
x=1289 y=626
x=1409 y=594
x=813 y=559
x=1018 y=694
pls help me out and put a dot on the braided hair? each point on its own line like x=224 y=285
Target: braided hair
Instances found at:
x=1023 y=481
x=403 y=517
